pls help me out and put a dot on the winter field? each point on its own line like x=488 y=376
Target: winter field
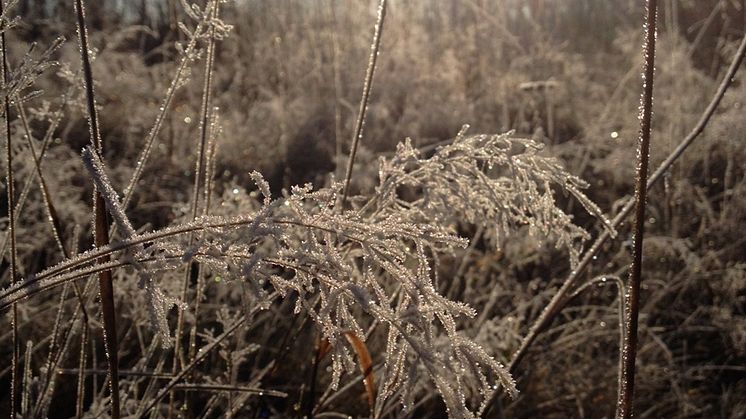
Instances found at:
x=373 y=208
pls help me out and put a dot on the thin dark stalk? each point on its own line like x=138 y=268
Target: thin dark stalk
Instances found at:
x=632 y=296
x=367 y=85
x=54 y=219
x=101 y=224
x=11 y=217
x=560 y=298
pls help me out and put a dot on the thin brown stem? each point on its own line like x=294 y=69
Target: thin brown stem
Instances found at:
x=11 y=217
x=101 y=224
x=21 y=201
x=632 y=296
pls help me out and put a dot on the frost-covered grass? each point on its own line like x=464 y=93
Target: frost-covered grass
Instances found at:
x=252 y=276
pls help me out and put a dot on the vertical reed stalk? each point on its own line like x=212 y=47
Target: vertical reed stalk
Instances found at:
x=629 y=352
x=11 y=218
x=200 y=167
x=101 y=225
x=367 y=85
x=560 y=298
x=202 y=170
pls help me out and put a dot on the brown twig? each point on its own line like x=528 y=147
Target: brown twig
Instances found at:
x=632 y=296
x=101 y=225
x=11 y=217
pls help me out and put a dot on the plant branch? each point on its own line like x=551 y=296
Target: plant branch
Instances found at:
x=101 y=225
x=367 y=85
x=632 y=295
x=11 y=216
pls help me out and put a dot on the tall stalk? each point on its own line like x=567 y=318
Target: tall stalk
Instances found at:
x=629 y=352
x=211 y=10
x=201 y=171
x=11 y=217
x=561 y=297
x=101 y=225
x=367 y=85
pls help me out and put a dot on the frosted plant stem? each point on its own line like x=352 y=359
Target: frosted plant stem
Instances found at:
x=632 y=295
x=206 y=107
x=30 y=179
x=101 y=225
x=54 y=219
x=44 y=400
x=11 y=218
x=358 y=132
x=367 y=85
x=201 y=170
x=560 y=298
x=80 y=389
x=56 y=226
x=161 y=117
x=26 y=379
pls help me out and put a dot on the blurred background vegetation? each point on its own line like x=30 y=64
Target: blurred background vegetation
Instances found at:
x=566 y=72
